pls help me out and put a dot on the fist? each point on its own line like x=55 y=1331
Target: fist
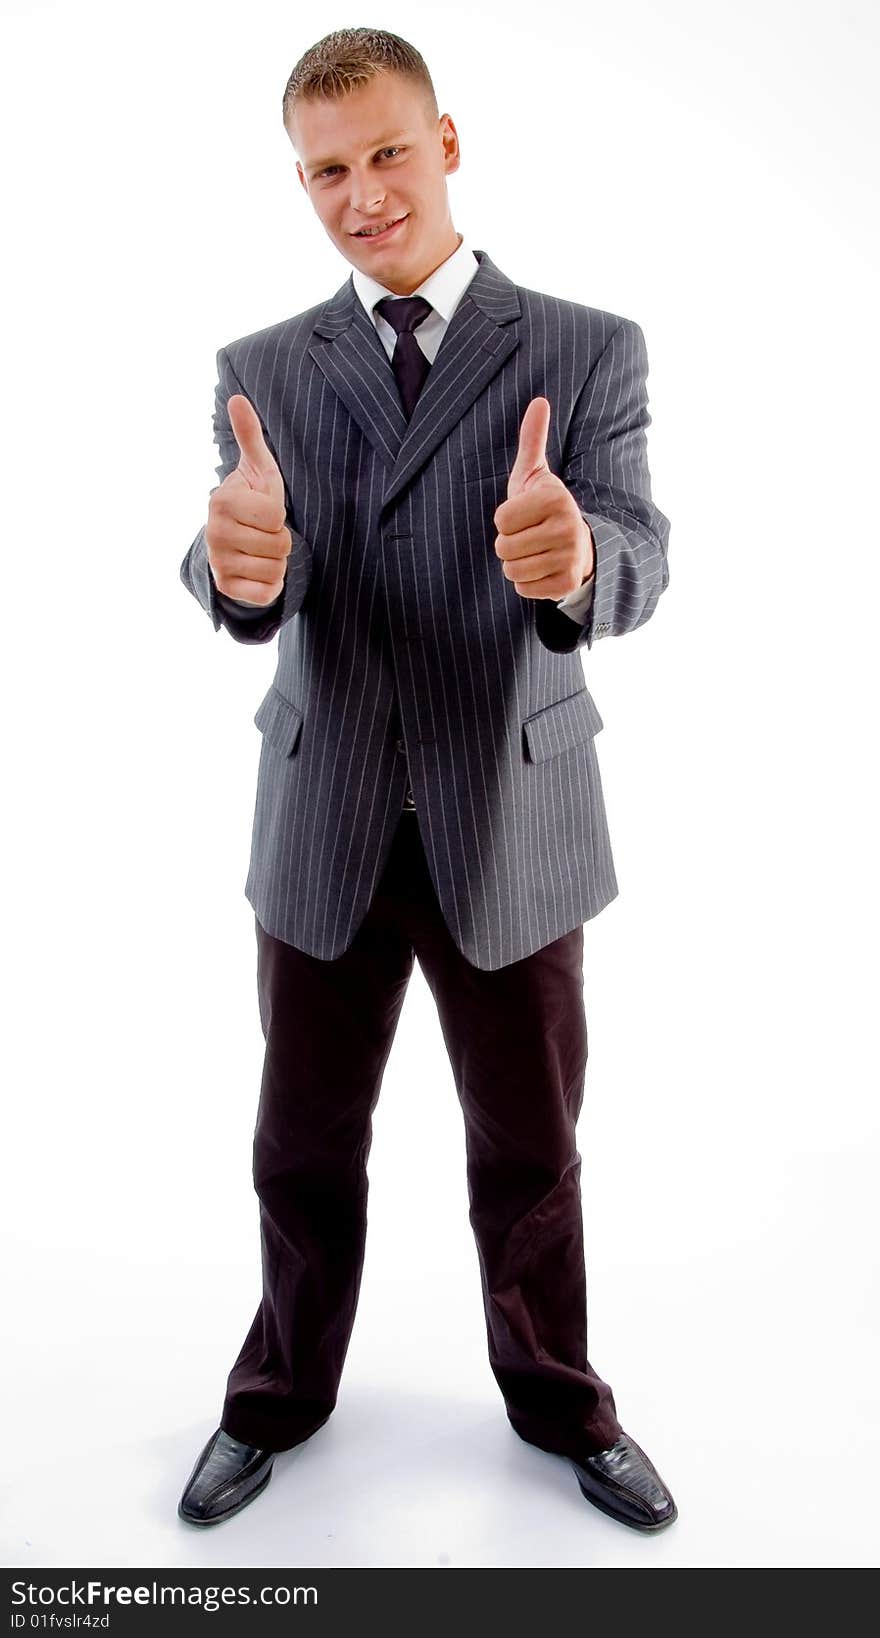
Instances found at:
x=247 y=539
x=546 y=545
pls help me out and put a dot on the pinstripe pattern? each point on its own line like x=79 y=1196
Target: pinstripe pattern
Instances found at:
x=396 y=618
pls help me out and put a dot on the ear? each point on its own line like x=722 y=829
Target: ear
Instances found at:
x=451 y=149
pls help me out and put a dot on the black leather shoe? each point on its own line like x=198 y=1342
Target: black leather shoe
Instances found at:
x=225 y=1478
x=625 y=1484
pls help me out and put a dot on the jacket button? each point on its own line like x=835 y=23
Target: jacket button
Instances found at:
x=399 y=746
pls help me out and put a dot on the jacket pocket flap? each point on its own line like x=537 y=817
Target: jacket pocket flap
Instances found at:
x=279 y=721
x=559 y=726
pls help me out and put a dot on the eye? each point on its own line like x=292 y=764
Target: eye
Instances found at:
x=329 y=168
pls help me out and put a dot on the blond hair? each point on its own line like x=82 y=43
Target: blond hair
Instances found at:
x=350 y=57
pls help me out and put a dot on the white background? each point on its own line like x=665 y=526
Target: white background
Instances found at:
x=708 y=172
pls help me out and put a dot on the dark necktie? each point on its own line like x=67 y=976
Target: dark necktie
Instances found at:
x=410 y=366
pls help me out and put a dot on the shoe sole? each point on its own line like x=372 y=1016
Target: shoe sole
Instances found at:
x=229 y=1511
x=634 y=1524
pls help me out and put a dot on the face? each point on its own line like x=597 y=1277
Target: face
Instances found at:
x=373 y=156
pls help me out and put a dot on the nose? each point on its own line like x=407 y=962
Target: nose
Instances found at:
x=362 y=199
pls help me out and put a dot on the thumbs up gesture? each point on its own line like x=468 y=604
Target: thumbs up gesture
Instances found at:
x=546 y=545
x=247 y=539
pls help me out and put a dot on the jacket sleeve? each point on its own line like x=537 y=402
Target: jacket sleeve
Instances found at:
x=605 y=467
x=244 y=611
x=249 y=625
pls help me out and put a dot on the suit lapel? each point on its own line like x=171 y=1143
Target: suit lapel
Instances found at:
x=358 y=368
x=478 y=339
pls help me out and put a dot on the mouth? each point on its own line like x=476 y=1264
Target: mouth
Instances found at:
x=369 y=237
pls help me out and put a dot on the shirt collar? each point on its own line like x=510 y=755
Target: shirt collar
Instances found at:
x=443 y=288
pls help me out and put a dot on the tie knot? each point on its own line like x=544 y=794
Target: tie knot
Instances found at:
x=404 y=313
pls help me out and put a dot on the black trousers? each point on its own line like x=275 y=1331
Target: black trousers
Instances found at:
x=517 y=1043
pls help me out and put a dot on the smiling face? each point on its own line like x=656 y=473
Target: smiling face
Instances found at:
x=374 y=156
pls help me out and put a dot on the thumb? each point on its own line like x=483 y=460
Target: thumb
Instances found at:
x=257 y=465
x=531 y=455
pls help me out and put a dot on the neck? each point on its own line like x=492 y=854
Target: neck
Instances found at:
x=406 y=284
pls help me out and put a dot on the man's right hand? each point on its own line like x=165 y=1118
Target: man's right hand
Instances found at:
x=247 y=539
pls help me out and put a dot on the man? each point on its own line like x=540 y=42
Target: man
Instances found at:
x=434 y=487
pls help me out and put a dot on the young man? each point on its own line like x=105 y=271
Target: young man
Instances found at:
x=434 y=487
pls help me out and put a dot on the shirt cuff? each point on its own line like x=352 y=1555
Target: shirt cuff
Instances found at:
x=577 y=604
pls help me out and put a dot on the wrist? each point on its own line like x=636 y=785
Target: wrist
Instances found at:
x=589 y=554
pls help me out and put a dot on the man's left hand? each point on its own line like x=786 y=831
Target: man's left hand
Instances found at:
x=546 y=545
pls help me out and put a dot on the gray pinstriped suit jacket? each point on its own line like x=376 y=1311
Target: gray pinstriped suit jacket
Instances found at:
x=398 y=626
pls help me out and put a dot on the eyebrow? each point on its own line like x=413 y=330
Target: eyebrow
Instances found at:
x=380 y=142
